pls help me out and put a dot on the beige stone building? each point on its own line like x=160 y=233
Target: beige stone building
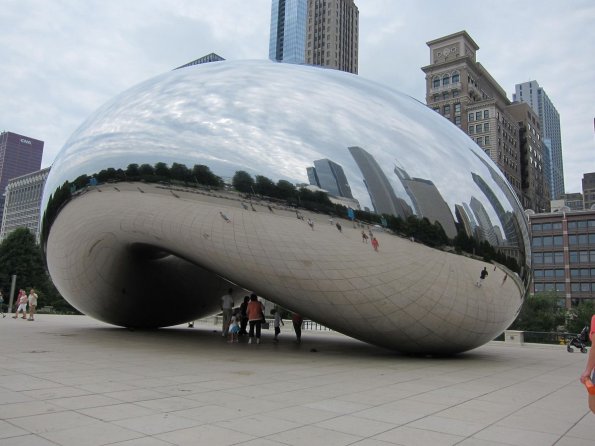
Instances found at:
x=332 y=34
x=463 y=91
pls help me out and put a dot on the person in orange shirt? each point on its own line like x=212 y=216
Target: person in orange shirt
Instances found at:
x=255 y=311
x=590 y=367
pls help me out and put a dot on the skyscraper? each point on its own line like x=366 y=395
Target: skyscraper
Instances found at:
x=288 y=31
x=589 y=190
x=534 y=95
x=19 y=155
x=23 y=202
x=328 y=175
x=315 y=32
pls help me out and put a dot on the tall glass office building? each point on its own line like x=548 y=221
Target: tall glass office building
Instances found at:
x=288 y=31
x=531 y=93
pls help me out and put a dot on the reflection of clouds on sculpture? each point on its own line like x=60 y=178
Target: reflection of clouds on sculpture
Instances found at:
x=275 y=120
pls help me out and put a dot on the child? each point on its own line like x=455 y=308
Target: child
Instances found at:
x=234 y=329
x=277 y=323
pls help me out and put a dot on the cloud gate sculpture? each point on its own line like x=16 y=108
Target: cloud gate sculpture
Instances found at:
x=276 y=178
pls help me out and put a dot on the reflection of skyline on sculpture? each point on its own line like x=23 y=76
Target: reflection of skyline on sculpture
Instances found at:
x=258 y=118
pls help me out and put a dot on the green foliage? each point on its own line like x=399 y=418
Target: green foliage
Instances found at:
x=540 y=312
x=20 y=255
x=265 y=186
x=243 y=182
x=286 y=190
x=203 y=175
x=580 y=316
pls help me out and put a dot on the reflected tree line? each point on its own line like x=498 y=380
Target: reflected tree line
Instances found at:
x=283 y=192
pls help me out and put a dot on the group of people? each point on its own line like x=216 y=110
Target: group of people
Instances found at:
x=23 y=300
x=250 y=315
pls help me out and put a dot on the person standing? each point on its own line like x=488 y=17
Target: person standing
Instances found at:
x=277 y=322
x=297 y=320
x=589 y=372
x=21 y=304
x=2 y=305
x=226 y=308
x=244 y=316
x=32 y=299
x=255 y=313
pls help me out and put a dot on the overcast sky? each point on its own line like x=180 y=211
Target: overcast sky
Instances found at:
x=60 y=59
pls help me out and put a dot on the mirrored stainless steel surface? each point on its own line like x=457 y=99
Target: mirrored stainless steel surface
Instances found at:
x=142 y=228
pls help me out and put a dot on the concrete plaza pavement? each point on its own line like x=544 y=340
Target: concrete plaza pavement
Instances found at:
x=71 y=380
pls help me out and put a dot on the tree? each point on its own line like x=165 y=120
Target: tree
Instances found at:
x=540 y=312
x=286 y=190
x=20 y=255
x=162 y=170
x=203 y=175
x=243 y=182
x=146 y=170
x=132 y=171
x=179 y=172
x=265 y=186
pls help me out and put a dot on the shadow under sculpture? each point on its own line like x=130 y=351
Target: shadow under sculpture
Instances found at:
x=152 y=253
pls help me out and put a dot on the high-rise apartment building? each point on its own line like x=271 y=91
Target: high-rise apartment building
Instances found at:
x=589 y=190
x=463 y=91
x=534 y=178
x=23 y=202
x=19 y=155
x=315 y=32
x=535 y=96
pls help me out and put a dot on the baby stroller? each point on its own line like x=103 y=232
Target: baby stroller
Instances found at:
x=579 y=341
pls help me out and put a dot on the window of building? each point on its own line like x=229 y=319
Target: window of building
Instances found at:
x=487 y=140
x=457 y=109
x=548 y=287
x=471 y=129
x=558 y=240
x=486 y=127
x=559 y=258
x=572 y=225
x=536 y=227
x=445 y=79
x=470 y=117
x=455 y=93
x=458 y=120
x=445 y=95
x=575 y=287
x=447 y=109
x=478 y=128
x=538 y=287
x=557 y=226
x=486 y=114
x=559 y=272
x=455 y=77
x=548 y=257
x=560 y=286
x=585 y=287
x=539 y=274
x=477 y=116
x=537 y=242
x=537 y=258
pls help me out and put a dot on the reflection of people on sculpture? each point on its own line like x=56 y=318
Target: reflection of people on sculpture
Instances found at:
x=338 y=225
x=482 y=275
x=270 y=208
x=311 y=224
x=375 y=244
x=255 y=313
x=226 y=308
x=245 y=206
x=364 y=237
x=297 y=320
x=224 y=217
x=244 y=315
x=589 y=372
